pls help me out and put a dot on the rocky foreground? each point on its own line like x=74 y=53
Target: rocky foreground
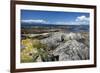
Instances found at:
x=68 y=46
x=55 y=46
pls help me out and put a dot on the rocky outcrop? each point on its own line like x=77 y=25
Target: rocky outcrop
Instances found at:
x=72 y=50
x=68 y=46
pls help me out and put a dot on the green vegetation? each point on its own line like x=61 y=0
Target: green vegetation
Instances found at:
x=33 y=50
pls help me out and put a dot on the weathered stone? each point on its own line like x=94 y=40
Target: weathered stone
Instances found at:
x=75 y=46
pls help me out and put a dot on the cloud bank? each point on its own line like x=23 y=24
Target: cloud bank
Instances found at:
x=33 y=21
x=82 y=20
x=79 y=20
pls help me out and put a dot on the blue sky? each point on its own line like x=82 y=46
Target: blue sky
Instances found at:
x=53 y=17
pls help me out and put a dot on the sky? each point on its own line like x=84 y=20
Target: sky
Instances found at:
x=53 y=17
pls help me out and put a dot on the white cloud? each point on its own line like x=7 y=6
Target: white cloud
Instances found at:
x=33 y=21
x=82 y=20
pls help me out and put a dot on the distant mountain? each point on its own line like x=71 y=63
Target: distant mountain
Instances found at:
x=47 y=24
